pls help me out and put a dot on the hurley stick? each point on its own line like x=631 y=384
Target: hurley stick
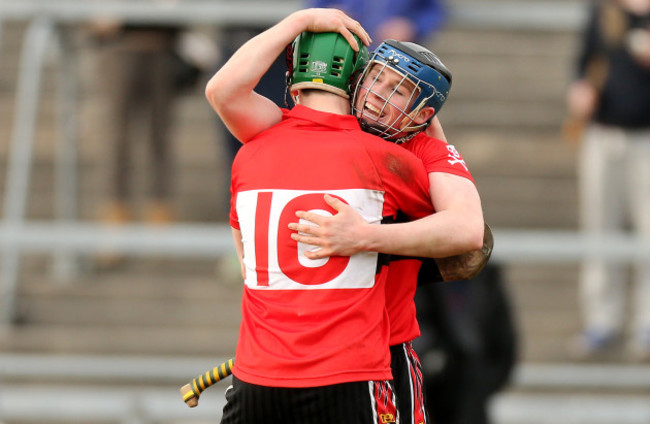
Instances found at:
x=192 y=390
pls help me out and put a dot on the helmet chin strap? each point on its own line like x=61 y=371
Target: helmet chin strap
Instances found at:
x=381 y=131
x=374 y=129
x=406 y=121
x=406 y=138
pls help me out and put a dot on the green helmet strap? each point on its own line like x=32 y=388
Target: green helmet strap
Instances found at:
x=325 y=61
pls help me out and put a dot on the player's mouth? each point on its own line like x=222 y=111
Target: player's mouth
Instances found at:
x=373 y=110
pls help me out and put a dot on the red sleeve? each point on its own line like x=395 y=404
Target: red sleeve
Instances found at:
x=438 y=156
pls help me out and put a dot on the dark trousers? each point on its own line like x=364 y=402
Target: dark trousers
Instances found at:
x=360 y=402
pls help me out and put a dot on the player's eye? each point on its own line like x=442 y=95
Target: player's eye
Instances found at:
x=400 y=90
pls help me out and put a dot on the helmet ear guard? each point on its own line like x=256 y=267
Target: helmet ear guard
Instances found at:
x=324 y=61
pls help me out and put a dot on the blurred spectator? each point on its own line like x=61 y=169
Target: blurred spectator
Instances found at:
x=468 y=346
x=402 y=20
x=143 y=68
x=611 y=96
x=138 y=69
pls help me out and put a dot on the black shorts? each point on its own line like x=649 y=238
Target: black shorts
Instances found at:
x=366 y=402
x=407 y=382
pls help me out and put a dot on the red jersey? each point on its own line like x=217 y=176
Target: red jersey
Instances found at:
x=316 y=322
x=437 y=156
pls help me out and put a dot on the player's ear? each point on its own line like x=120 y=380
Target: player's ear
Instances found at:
x=424 y=115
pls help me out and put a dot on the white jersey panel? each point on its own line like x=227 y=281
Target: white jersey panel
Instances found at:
x=263 y=218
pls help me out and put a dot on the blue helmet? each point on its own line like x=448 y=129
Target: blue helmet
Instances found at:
x=418 y=65
x=422 y=66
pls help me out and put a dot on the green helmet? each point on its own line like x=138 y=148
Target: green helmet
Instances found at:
x=325 y=61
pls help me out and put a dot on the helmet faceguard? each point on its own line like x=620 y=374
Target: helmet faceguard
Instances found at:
x=325 y=61
x=420 y=72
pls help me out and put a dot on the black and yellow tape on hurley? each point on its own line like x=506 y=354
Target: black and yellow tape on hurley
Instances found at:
x=192 y=390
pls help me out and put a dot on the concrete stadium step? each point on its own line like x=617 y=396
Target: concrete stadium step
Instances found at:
x=500 y=113
x=554 y=288
x=545 y=393
x=515 y=152
x=163 y=403
x=571 y=408
x=526 y=179
x=543 y=299
x=66 y=307
x=65 y=404
x=148 y=306
x=538 y=394
x=528 y=202
x=193 y=198
x=195 y=339
x=506 y=78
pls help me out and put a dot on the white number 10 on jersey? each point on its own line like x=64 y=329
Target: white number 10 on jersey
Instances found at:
x=276 y=262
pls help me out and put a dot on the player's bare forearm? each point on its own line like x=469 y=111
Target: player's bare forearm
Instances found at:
x=455 y=228
x=446 y=233
x=436 y=236
x=435 y=130
x=231 y=93
x=231 y=90
x=467 y=265
x=239 y=248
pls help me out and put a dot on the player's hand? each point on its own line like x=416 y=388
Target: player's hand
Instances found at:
x=333 y=20
x=337 y=235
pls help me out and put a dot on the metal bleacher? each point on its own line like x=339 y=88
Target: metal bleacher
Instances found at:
x=76 y=388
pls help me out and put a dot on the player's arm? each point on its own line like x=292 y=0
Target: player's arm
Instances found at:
x=435 y=130
x=457 y=226
x=231 y=90
x=239 y=248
